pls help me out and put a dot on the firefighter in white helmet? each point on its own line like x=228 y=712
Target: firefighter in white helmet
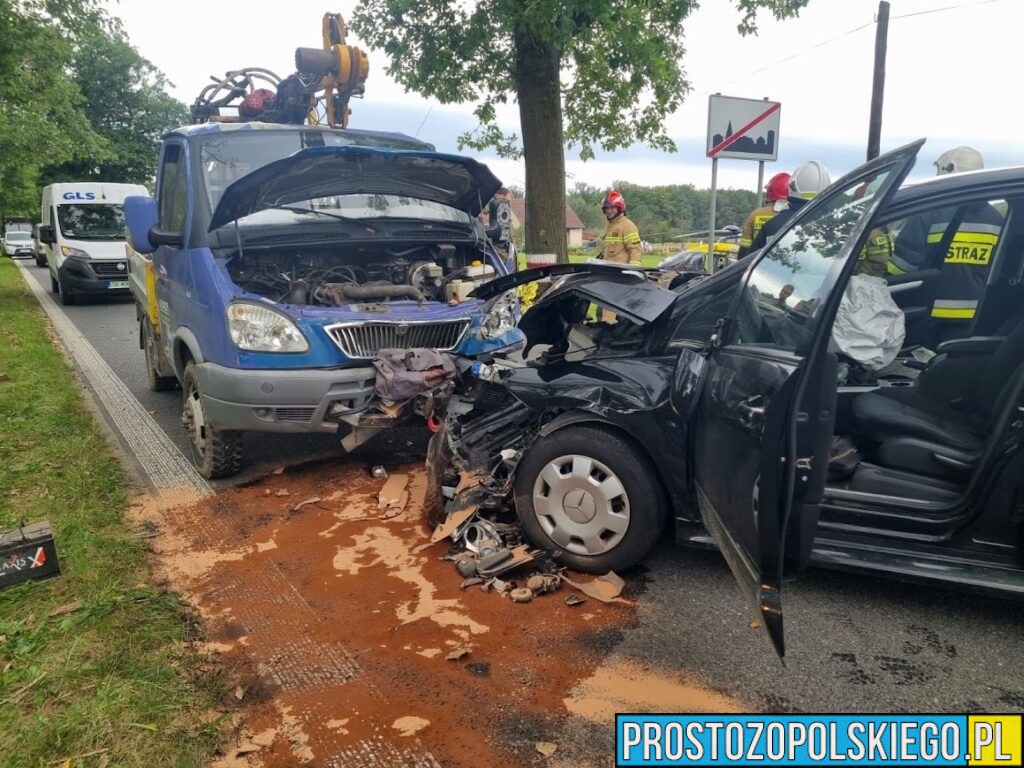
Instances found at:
x=966 y=235
x=804 y=183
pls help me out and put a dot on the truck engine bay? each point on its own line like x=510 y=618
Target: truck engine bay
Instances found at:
x=334 y=276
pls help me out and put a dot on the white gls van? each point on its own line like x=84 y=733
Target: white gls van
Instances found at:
x=82 y=232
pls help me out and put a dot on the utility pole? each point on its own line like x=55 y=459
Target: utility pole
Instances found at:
x=878 y=82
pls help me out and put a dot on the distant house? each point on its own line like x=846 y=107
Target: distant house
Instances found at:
x=573 y=224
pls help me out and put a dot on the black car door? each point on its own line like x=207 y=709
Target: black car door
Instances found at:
x=764 y=415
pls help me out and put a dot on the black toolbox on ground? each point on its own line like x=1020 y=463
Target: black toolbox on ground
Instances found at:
x=27 y=552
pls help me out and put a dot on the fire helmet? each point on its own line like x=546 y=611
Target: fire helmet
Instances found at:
x=777 y=187
x=256 y=103
x=614 y=200
x=959 y=160
x=809 y=179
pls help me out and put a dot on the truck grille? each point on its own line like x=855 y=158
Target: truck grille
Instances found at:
x=109 y=268
x=365 y=340
x=297 y=415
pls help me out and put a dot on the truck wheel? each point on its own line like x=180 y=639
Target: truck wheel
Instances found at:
x=40 y=260
x=66 y=297
x=216 y=452
x=157 y=383
x=54 y=285
x=590 y=496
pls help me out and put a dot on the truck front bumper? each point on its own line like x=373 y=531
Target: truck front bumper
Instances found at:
x=284 y=400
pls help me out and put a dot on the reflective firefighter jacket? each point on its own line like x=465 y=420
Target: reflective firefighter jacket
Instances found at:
x=964 y=269
x=621 y=241
x=874 y=256
x=752 y=226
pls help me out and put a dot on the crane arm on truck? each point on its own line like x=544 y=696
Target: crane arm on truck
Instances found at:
x=317 y=93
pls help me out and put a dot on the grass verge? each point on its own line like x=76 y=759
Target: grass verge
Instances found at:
x=95 y=665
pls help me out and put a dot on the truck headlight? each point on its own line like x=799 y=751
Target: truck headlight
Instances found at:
x=500 y=317
x=261 y=329
x=78 y=253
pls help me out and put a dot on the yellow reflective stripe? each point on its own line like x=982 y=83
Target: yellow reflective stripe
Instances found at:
x=613 y=239
x=953 y=314
x=894 y=269
x=746 y=242
x=971 y=248
x=632 y=237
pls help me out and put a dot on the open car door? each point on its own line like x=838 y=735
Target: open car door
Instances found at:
x=763 y=421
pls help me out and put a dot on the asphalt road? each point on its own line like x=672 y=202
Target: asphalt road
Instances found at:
x=854 y=644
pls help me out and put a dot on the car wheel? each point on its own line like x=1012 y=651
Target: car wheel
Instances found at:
x=590 y=496
x=66 y=297
x=54 y=285
x=216 y=452
x=157 y=383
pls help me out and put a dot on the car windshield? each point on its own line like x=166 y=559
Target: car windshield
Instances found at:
x=227 y=157
x=19 y=236
x=91 y=222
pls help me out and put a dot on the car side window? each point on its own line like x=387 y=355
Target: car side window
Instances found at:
x=780 y=303
x=952 y=234
x=173 y=193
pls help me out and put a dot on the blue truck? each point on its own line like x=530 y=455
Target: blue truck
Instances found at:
x=276 y=260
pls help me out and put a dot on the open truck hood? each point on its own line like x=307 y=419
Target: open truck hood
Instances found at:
x=459 y=182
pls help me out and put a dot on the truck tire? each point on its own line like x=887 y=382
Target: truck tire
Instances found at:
x=592 y=497
x=40 y=260
x=216 y=452
x=157 y=383
x=54 y=285
x=66 y=297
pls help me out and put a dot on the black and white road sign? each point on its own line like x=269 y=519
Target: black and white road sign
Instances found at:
x=743 y=128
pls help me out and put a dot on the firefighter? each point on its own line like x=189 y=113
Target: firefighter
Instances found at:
x=775 y=193
x=804 y=183
x=621 y=237
x=964 y=269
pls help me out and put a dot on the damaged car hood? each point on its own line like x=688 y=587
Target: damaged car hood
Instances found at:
x=458 y=182
x=626 y=291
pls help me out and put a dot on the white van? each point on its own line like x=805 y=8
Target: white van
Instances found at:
x=82 y=232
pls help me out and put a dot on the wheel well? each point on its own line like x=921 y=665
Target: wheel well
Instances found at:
x=182 y=356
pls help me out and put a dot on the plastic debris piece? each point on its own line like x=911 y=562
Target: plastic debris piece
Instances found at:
x=305 y=503
x=379 y=472
x=283 y=492
x=606 y=588
x=542 y=583
x=466 y=566
x=471 y=581
x=546 y=748
x=521 y=595
x=573 y=600
x=501 y=586
x=457 y=654
x=452 y=523
x=392 y=493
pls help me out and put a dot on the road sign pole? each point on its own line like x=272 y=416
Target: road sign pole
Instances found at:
x=711 y=227
x=760 y=183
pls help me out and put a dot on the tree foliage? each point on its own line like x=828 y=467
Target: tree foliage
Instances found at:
x=76 y=100
x=613 y=66
x=664 y=212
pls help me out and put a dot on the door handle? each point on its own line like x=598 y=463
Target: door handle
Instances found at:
x=751 y=410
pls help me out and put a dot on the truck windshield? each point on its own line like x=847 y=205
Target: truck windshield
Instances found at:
x=91 y=222
x=227 y=157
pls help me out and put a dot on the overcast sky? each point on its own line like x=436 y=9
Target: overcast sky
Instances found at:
x=949 y=77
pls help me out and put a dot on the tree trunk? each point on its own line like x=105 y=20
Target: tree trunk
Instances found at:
x=540 y=117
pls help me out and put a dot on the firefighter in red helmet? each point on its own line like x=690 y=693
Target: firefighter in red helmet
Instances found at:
x=621 y=237
x=775 y=193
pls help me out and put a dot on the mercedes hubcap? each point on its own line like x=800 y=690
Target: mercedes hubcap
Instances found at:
x=581 y=505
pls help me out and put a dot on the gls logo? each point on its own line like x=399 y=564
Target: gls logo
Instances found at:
x=79 y=195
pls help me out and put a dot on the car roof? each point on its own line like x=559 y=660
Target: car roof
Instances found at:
x=200 y=129
x=997 y=182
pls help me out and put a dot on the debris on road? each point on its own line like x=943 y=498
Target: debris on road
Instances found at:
x=306 y=503
x=573 y=600
x=546 y=748
x=283 y=492
x=378 y=472
x=521 y=595
x=457 y=654
x=394 y=497
x=606 y=588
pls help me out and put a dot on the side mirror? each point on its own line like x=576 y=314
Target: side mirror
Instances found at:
x=46 y=234
x=160 y=237
x=140 y=214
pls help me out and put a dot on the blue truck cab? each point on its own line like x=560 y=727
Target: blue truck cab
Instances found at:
x=275 y=261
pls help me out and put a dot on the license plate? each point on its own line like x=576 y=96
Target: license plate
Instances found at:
x=118 y=284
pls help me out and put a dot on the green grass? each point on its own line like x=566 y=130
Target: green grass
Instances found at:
x=113 y=681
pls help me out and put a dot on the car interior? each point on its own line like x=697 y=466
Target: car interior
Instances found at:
x=919 y=429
